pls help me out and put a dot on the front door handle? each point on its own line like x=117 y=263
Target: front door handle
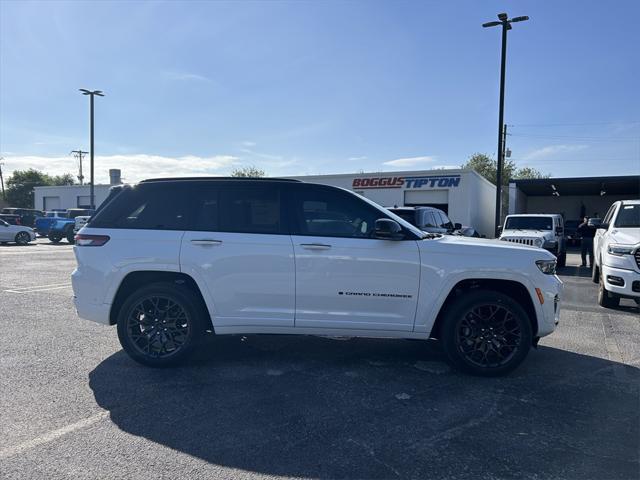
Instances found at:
x=206 y=241
x=315 y=246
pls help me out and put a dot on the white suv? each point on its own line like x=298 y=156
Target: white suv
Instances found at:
x=616 y=249
x=169 y=259
x=544 y=230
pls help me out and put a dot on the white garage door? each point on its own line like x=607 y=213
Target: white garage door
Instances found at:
x=51 y=203
x=426 y=197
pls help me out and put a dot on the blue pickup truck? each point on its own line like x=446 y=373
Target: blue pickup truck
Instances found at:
x=57 y=225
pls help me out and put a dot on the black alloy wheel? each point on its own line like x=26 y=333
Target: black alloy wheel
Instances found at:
x=23 y=238
x=486 y=333
x=161 y=324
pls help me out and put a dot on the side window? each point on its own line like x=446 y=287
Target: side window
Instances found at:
x=428 y=219
x=446 y=222
x=326 y=212
x=439 y=220
x=146 y=207
x=206 y=211
x=250 y=209
x=609 y=215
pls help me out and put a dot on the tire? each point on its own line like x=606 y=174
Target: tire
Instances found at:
x=463 y=325
x=23 y=238
x=189 y=327
x=607 y=299
x=71 y=237
x=562 y=259
x=54 y=237
x=595 y=273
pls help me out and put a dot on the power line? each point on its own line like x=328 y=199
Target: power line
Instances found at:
x=606 y=139
x=586 y=124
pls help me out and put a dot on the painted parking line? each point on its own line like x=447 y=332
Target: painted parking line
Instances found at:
x=38 y=288
x=52 y=435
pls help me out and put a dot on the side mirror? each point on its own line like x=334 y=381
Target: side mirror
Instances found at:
x=457 y=226
x=559 y=229
x=499 y=229
x=603 y=226
x=387 y=229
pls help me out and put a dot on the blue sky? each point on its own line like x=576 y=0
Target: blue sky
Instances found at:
x=318 y=87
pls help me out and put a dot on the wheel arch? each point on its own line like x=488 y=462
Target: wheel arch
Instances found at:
x=511 y=288
x=134 y=280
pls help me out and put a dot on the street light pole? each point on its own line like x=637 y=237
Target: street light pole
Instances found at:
x=91 y=95
x=78 y=154
x=506 y=26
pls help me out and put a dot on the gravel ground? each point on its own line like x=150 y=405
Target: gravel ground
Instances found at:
x=72 y=404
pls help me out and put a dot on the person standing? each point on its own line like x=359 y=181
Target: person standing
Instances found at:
x=587 y=232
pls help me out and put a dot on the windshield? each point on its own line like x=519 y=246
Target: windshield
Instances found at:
x=628 y=217
x=3 y=223
x=406 y=215
x=528 y=223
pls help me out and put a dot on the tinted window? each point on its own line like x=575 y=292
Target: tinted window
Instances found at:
x=332 y=213
x=248 y=209
x=159 y=206
x=408 y=215
x=429 y=219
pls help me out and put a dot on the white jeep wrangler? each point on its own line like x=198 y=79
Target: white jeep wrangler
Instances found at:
x=543 y=230
x=168 y=260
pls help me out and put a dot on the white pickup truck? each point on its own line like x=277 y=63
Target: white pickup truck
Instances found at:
x=616 y=251
x=169 y=259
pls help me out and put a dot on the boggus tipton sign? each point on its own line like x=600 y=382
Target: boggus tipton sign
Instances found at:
x=444 y=181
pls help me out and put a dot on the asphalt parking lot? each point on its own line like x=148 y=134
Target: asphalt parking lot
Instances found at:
x=72 y=404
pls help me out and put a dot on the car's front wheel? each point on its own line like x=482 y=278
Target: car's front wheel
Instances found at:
x=161 y=324
x=54 y=237
x=486 y=333
x=22 y=238
x=606 y=299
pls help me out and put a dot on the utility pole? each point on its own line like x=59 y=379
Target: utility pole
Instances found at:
x=506 y=26
x=78 y=154
x=92 y=93
x=1 y=178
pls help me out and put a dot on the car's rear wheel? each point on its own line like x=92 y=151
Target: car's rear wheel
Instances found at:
x=486 y=333
x=71 y=236
x=22 y=238
x=54 y=237
x=161 y=324
x=606 y=299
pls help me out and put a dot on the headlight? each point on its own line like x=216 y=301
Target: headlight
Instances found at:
x=538 y=242
x=548 y=267
x=619 y=250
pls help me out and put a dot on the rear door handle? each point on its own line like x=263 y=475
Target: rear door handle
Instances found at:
x=315 y=246
x=206 y=241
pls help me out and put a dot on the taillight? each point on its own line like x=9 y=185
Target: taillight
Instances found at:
x=83 y=240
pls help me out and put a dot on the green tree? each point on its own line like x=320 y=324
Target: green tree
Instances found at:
x=488 y=168
x=21 y=183
x=248 y=172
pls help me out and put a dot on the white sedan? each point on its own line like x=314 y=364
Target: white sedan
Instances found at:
x=16 y=233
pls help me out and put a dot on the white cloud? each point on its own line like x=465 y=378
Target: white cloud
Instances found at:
x=134 y=167
x=248 y=144
x=551 y=150
x=357 y=159
x=186 y=76
x=409 y=161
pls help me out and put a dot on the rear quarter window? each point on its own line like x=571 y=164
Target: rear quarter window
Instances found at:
x=161 y=206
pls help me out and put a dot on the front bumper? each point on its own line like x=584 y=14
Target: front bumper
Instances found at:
x=551 y=288
x=621 y=281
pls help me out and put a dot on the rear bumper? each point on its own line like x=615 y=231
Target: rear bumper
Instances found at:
x=621 y=281
x=88 y=308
